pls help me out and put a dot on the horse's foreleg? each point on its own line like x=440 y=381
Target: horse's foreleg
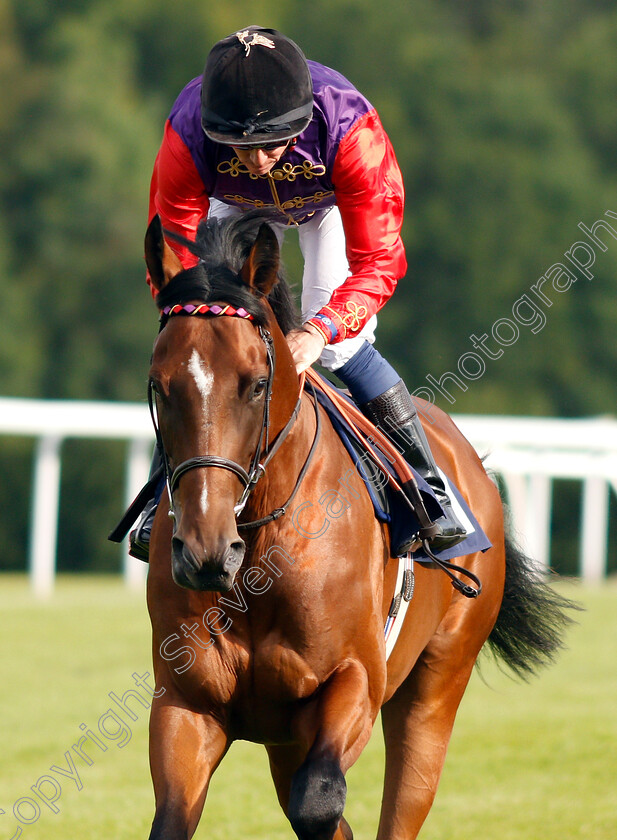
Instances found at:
x=284 y=761
x=333 y=729
x=417 y=724
x=185 y=749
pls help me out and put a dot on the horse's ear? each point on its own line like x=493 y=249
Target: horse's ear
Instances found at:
x=260 y=271
x=162 y=263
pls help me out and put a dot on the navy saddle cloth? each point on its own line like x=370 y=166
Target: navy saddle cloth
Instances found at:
x=388 y=505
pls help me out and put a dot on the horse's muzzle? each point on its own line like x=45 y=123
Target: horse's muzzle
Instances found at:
x=214 y=571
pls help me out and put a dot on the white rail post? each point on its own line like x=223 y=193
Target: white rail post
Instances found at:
x=594 y=530
x=538 y=520
x=44 y=529
x=140 y=456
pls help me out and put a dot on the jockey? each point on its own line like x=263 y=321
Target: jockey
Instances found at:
x=265 y=128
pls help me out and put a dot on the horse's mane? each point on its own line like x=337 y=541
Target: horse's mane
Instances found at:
x=223 y=245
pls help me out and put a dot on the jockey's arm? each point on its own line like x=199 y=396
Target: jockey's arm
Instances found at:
x=177 y=192
x=370 y=195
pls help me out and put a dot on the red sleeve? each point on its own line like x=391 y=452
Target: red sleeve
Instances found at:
x=177 y=192
x=370 y=195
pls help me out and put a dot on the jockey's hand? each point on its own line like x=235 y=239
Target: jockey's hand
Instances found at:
x=306 y=345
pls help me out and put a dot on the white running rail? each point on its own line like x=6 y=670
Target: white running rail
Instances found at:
x=527 y=452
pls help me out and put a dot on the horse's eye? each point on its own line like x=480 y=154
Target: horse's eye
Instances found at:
x=259 y=388
x=156 y=391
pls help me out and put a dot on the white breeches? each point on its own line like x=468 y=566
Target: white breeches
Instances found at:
x=322 y=243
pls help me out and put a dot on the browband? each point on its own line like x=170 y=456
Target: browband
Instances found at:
x=205 y=309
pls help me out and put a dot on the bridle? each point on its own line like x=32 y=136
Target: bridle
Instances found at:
x=264 y=452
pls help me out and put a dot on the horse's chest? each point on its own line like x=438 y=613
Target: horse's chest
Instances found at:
x=279 y=671
x=270 y=675
x=269 y=694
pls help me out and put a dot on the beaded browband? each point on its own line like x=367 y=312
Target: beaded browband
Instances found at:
x=205 y=309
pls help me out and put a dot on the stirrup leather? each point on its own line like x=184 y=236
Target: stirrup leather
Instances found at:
x=394 y=413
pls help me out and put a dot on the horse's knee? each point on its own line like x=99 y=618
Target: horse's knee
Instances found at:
x=317 y=799
x=168 y=824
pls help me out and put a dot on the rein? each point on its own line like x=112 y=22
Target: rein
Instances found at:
x=278 y=512
x=264 y=452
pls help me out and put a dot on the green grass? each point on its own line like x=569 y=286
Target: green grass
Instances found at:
x=526 y=761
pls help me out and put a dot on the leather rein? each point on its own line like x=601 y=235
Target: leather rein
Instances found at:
x=264 y=451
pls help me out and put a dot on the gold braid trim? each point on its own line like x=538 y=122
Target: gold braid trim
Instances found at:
x=355 y=316
x=297 y=202
x=287 y=172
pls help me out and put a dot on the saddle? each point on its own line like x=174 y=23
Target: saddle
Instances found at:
x=384 y=472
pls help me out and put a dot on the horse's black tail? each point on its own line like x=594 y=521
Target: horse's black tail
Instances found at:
x=532 y=619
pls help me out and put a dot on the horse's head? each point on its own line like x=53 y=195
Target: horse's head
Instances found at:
x=216 y=360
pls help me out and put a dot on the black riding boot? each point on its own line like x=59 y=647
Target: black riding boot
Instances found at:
x=396 y=416
x=139 y=538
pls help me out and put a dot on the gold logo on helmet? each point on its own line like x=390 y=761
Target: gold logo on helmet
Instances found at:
x=257 y=40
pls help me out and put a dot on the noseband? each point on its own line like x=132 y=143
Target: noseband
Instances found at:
x=258 y=465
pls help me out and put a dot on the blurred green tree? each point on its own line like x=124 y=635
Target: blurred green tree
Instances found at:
x=503 y=116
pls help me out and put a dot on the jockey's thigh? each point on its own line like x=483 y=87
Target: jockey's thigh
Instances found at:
x=322 y=243
x=220 y=210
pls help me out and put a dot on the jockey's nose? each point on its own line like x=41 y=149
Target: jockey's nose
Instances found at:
x=260 y=162
x=258 y=157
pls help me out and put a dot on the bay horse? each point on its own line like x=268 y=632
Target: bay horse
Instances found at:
x=275 y=633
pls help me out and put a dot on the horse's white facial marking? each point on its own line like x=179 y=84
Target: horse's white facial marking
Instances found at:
x=204 y=380
x=204 y=500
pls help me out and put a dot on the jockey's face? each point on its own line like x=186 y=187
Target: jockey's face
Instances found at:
x=259 y=160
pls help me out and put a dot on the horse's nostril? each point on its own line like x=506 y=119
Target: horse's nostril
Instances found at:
x=181 y=551
x=234 y=556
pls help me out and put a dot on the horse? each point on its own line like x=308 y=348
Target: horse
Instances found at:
x=269 y=584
